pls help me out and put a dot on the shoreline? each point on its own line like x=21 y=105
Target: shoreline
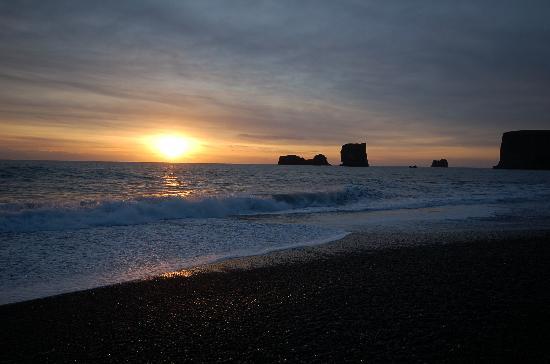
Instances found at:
x=207 y=263
x=414 y=297
x=349 y=243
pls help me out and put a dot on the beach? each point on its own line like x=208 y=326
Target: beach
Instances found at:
x=274 y=181
x=441 y=297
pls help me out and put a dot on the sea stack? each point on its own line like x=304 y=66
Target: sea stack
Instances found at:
x=294 y=160
x=440 y=163
x=354 y=155
x=525 y=149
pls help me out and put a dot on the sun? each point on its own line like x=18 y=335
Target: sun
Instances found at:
x=172 y=146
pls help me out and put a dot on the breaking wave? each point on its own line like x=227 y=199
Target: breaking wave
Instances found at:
x=33 y=217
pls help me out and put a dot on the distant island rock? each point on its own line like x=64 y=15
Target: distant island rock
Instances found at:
x=525 y=149
x=354 y=155
x=295 y=160
x=440 y=163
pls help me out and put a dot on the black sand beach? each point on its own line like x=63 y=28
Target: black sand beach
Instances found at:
x=471 y=300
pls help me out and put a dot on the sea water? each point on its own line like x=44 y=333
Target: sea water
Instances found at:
x=67 y=226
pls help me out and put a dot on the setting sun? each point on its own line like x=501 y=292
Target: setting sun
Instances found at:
x=172 y=146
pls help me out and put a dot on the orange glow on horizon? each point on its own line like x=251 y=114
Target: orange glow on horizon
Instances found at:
x=174 y=145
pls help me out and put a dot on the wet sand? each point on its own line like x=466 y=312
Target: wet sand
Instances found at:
x=430 y=298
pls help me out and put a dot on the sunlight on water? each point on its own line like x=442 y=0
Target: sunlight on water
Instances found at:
x=181 y=273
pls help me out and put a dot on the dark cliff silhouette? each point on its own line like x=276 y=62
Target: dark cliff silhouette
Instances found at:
x=525 y=149
x=292 y=159
x=354 y=155
x=440 y=163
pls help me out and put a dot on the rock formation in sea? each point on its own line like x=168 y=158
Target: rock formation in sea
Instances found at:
x=292 y=159
x=440 y=163
x=320 y=160
x=525 y=149
x=354 y=155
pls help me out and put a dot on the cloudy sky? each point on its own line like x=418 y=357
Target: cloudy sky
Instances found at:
x=250 y=80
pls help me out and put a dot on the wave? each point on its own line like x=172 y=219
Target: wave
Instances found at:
x=34 y=217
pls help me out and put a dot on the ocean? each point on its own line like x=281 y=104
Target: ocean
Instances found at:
x=67 y=226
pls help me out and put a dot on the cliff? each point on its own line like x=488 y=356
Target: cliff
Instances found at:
x=354 y=155
x=440 y=163
x=525 y=149
x=292 y=159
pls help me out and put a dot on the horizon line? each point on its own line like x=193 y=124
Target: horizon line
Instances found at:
x=222 y=163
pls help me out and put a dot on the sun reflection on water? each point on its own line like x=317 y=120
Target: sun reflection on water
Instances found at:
x=180 y=273
x=174 y=185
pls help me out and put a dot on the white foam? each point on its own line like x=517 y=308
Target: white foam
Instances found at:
x=145 y=210
x=39 y=217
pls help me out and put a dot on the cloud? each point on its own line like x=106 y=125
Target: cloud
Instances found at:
x=326 y=71
x=270 y=137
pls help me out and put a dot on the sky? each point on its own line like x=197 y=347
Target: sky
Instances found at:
x=246 y=81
